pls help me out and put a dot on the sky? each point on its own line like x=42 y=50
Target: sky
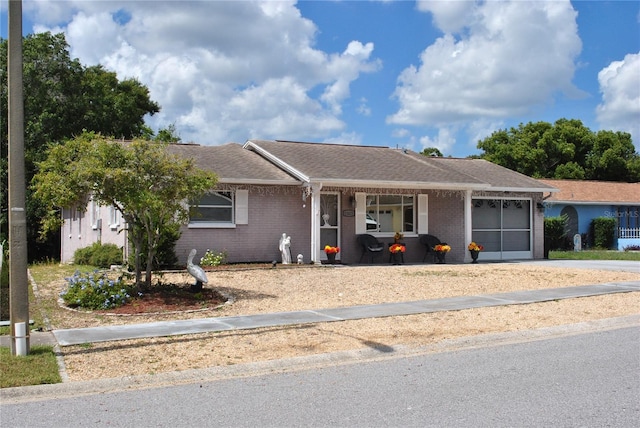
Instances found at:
x=408 y=74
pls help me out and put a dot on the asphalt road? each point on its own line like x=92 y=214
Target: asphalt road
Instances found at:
x=556 y=377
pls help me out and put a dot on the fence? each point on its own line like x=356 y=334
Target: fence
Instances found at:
x=628 y=232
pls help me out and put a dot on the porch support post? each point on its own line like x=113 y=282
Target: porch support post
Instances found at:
x=467 y=225
x=315 y=222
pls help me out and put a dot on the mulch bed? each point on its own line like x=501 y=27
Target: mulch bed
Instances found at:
x=170 y=298
x=167 y=297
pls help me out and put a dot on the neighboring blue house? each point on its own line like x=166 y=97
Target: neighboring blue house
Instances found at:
x=582 y=201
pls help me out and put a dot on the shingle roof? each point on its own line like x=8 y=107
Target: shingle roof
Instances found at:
x=293 y=163
x=498 y=177
x=383 y=166
x=338 y=164
x=233 y=164
x=597 y=192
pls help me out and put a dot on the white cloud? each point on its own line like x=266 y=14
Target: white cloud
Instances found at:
x=511 y=57
x=400 y=133
x=363 y=108
x=620 y=88
x=349 y=138
x=221 y=71
x=480 y=129
x=444 y=141
x=449 y=16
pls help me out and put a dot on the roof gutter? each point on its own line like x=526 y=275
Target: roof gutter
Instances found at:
x=523 y=189
x=259 y=182
x=399 y=184
x=610 y=204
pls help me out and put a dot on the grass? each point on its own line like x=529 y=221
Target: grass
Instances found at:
x=40 y=366
x=595 y=255
x=37 y=368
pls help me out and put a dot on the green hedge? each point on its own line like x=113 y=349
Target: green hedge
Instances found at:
x=603 y=231
x=555 y=232
x=99 y=255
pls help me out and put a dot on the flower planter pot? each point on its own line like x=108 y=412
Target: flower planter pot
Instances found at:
x=331 y=258
x=474 y=255
x=440 y=255
x=396 y=258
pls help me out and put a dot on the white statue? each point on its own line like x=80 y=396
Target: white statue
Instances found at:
x=285 y=243
x=300 y=259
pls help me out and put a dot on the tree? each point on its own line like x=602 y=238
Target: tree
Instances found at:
x=62 y=99
x=431 y=151
x=564 y=150
x=168 y=134
x=148 y=185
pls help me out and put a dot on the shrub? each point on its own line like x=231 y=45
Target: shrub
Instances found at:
x=555 y=231
x=100 y=255
x=96 y=290
x=213 y=259
x=604 y=230
x=632 y=248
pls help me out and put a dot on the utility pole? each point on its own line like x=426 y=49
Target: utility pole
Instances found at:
x=18 y=282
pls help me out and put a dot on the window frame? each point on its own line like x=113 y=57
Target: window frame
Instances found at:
x=114 y=217
x=363 y=212
x=205 y=224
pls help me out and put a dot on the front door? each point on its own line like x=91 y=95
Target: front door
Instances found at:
x=329 y=222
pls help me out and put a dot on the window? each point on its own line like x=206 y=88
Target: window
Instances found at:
x=95 y=214
x=114 y=218
x=221 y=209
x=390 y=213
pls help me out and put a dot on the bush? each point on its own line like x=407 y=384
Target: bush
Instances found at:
x=604 y=231
x=213 y=259
x=98 y=255
x=96 y=291
x=555 y=232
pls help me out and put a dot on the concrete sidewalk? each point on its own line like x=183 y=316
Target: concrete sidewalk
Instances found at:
x=171 y=328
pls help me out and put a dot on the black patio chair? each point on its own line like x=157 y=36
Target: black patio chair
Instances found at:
x=370 y=245
x=429 y=241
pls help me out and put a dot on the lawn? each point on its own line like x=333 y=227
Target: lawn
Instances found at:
x=595 y=255
x=37 y=368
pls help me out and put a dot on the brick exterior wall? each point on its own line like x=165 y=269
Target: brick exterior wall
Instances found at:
x=270 y=215
x=446 y=221
x=282 y=210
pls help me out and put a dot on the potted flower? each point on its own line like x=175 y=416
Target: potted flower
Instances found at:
x=398 y=237
x=396 y=251
x=331 y=253
x=475 y=249
x=441 y=251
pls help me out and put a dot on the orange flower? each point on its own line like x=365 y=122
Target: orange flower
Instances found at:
x=331 y=250
x=475 y=247
x=397 y=248
x=443 y=248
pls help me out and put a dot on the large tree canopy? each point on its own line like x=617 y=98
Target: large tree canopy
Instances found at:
x=148 y=185
x=61 y=100
x=564 y=150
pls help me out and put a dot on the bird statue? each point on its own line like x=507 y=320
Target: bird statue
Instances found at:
x=197 y=272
